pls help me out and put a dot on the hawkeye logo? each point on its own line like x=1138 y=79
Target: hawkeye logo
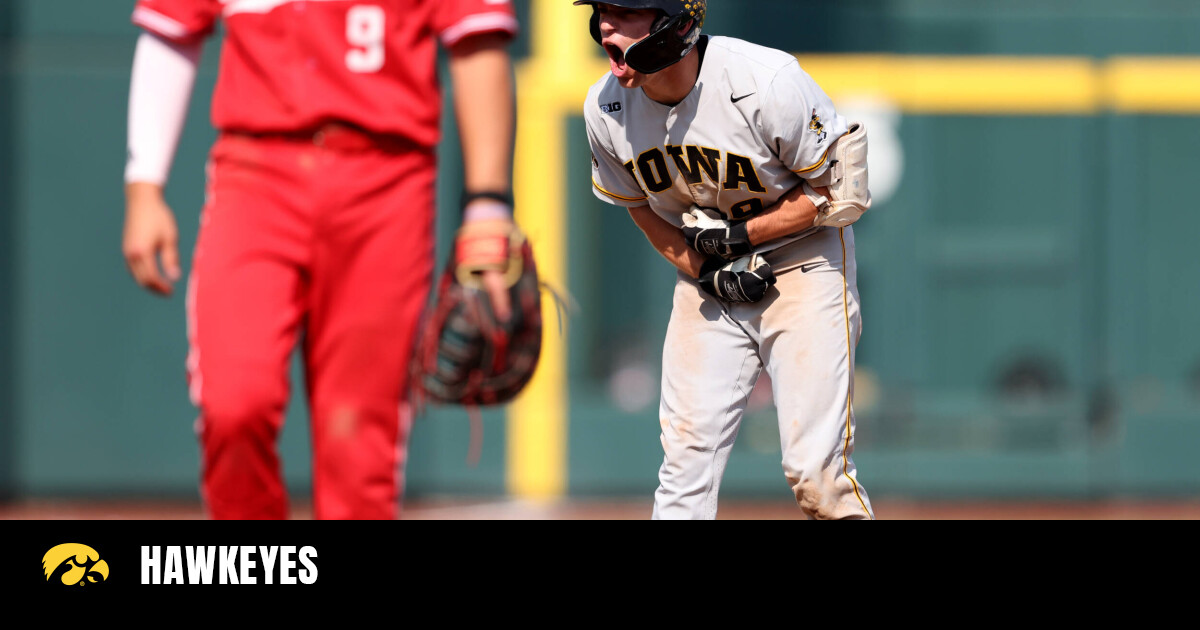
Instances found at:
x=74 y=564
x=816 y=126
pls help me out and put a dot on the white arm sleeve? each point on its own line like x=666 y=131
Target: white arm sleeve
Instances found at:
x=160 y=88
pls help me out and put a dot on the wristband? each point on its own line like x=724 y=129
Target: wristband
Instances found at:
x=503 y=196
x=740 y=233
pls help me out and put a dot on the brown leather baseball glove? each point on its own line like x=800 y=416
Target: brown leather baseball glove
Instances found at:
x=464 y=354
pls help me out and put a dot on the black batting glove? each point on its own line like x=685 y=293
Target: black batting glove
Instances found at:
x=743 y=280
x=729 y=242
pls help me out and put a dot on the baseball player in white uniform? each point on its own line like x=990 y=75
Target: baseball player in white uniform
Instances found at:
x=741 y=173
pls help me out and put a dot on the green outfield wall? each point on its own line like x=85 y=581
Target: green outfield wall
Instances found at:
x=8 y=329
x=1028 y=291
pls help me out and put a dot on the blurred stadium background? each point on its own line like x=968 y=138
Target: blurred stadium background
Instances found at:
x=1030 y=343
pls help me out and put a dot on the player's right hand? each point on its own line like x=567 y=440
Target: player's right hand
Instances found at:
x=715 y=237
x=150 y=237
x=746 y=279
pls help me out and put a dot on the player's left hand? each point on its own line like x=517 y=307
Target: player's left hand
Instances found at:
x=715 y=237
x=150 y=237
x=483 y=247
x=746 y=279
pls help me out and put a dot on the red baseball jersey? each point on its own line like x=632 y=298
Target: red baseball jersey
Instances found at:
x=289 y=65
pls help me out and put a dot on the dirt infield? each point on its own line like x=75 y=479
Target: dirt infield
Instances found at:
x=637 y=509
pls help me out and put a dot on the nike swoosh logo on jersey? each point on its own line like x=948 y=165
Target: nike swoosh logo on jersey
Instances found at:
x=734 y=99
x=810 y=266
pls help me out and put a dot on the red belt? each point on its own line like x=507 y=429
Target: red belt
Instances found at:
x=340 y=137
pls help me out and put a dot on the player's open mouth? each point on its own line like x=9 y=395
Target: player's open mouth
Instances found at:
x=617 y=57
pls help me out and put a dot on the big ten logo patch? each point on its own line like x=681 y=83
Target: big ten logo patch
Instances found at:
x=611 y=108
x=74 y=564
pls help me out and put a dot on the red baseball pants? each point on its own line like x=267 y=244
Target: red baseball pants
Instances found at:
x=332 y=244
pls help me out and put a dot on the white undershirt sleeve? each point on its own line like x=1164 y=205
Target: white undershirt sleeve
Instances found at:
x=160 y=88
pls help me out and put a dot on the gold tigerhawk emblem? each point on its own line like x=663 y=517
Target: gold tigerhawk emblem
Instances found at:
x=85 y=564
x=815 y=125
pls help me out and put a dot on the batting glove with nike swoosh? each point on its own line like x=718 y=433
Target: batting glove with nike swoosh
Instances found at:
x=715 y=237
x=746 y=279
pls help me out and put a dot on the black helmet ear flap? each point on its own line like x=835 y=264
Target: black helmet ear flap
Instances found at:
x=665 y=46
x=595 y=24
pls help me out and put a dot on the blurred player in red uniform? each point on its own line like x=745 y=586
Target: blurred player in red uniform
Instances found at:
x=318 y=221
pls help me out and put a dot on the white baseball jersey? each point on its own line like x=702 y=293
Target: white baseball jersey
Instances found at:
x=754 y=125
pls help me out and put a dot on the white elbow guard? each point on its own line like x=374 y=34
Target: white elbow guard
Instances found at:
x=846 y=178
